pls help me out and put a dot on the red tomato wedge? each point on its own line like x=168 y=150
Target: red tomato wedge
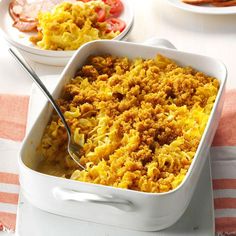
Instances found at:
x=115 y=24
x=116 y=7
x=100 y=11
x=101 y=14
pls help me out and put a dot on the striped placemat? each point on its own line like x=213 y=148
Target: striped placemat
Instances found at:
x=13 y=118
x=224 y=185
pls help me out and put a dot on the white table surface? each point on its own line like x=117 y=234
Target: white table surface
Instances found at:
x=203 y=34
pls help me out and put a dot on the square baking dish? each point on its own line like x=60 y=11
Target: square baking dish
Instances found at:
x=110 y=205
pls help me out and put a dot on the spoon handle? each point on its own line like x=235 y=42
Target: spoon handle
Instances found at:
x=37 y=80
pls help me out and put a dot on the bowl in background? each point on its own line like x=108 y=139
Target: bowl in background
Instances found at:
x=21 y=41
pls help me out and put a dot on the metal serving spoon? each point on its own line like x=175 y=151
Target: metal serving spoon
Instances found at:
x=73 y=149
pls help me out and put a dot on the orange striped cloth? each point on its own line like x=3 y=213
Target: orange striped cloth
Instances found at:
x=223 y=156
x=13 y=116
x=224 y=189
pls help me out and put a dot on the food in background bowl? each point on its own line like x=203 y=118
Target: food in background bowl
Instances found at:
x=67 y=25
x=139 y=122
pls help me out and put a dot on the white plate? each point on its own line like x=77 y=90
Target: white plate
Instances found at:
x=197 y=220
x=21 y=40
x=204 y=9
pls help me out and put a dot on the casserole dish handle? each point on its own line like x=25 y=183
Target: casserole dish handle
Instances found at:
x=63 y=194
x=164 y=43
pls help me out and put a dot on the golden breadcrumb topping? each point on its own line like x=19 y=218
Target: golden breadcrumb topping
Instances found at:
x=139 y=122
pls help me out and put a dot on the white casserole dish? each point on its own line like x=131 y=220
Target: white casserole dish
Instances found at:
x=109 y=205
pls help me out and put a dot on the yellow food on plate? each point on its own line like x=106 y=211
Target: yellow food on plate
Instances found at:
x=70 y=25
x=139 y=121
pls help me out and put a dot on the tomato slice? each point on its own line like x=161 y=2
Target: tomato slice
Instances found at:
x=101 y=14
x=115 y=24
x=116 y=7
